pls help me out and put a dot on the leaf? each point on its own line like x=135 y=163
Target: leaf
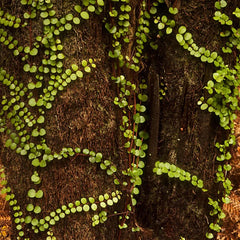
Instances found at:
x=30 y=207
x=42 y=132
x=204 y=106
x=144 y=135
x=217 y=77
x=128 y=8
x=209 y=235
x=68 y=26
x=35 y=133
x=168 y=30
x=69 y=17
x=210 y=84
x=94 y=206
x=32 y=102
x=100 y=2
x=143 y=97
x=41 y=119
x=32 y=193
x=203 y=58
x=13 y=146
x=74 y=67
x=161 y=26
x=37 y=209
x=112 y=30
x=26 y=67
x=173 y=11
x=79 y=74
x=200 y=184
x=35 y=162
x=164 y=19
x=78 y=8
x=39 y=194
x=153 y=10
x=23 y=2
x=85 y=151
x=103 y=204
x=187 y=36
x=34 y=52
x=109 y=202
x=76 y=20
x=8 y=142
x=84 y=63
x=217 y=5
x=60 y=56
x=86 y=208
x=46 y=21
x=26 y=15
x=138 y=142
x=154 y=46
x=223 y=3
x=214 y=55
x=182 y=30
x=84 y=15
x=28 y=219
x=91 y=8
x=179 y=37
x=87 y=69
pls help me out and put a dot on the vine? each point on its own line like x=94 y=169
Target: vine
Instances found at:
x=222 y=101
x=24 y=107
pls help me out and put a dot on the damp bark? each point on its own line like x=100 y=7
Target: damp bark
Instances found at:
x=84 y=116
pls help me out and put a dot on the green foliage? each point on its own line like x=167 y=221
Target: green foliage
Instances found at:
x=26 y=136
x=175 y=172
x=223 y=97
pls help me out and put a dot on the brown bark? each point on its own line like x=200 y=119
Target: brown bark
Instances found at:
x=84 y=115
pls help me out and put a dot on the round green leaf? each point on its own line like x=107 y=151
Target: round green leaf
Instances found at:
x=83 y=200
x=84 y=15
x=28 y=219
x=44 y=14
x=34 y=52
x=153 y=10
x=86 y=208
x=87 y=69
x=37 y=209
x=69 y=17
x=32 y=102
x=74 y=67
x=8 y=142
x=103 y=204
x=35 y=162
x=35 y=133
x=182 y=30
x=161 y=26
x=100 y=2
x=41 y=119
x=42 y=132
x=76 y=20
x=179 y=37
x=39 y=194
x=187 y=36
x=30 y=207
x=78 y=8
x=32 y=193
x=84 y=63
x=91 y=8
x=109 y=202
x=94 y=207
x=68 y=26
x=26 y=67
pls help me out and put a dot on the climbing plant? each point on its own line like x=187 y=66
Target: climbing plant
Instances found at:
x=26 y=102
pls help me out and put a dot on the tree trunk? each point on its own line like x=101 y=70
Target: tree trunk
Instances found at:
x=84 y=116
